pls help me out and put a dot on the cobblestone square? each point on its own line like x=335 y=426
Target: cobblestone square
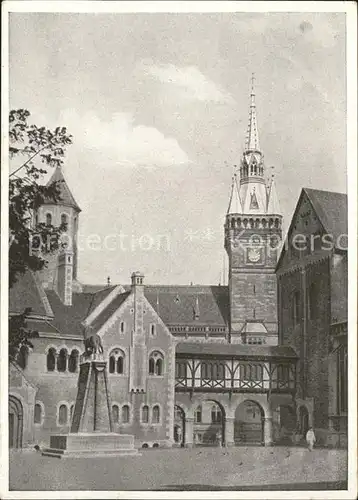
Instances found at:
x=184 y=469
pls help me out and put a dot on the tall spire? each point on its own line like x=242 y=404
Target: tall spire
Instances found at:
x=235 y=206
x=252 y=139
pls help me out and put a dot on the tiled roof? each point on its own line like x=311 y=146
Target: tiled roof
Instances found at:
x=26 y=293
x=68 y=319
x=176 y=305
x=108 y=311
x=332 y=210
x=42 y=327
x=66 y=197
x=98 y=296
x=236 y=350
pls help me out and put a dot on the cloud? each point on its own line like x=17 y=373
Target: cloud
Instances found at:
x=120 y=142
x=189 y=80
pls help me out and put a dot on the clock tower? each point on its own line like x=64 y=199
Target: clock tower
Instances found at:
x=253 y=233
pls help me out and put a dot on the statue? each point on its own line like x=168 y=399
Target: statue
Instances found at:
x=93 y=345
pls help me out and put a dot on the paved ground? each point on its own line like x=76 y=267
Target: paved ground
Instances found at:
x=183 y=469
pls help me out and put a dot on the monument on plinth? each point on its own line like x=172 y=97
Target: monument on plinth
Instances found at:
x=92 y=428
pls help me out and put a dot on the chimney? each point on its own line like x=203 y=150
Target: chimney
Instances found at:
x=64 y=276
x=137 y=282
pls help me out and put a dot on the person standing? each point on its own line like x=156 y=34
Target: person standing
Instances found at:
x=310 y=438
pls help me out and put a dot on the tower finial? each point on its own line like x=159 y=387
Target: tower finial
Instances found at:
x=252 y=138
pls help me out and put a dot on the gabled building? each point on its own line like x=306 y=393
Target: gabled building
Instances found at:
x=186 y=364
x=312 y=276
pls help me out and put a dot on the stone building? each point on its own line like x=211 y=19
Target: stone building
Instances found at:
x=187 y=365
x=312 y=276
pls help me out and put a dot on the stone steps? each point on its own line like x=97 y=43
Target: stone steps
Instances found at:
x=57 y=453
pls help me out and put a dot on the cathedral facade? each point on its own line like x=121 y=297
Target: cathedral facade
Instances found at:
x=187 y=365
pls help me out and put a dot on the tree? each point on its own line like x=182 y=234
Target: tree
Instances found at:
x=33 y=149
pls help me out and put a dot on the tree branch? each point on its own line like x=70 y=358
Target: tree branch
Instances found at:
x=27 y=161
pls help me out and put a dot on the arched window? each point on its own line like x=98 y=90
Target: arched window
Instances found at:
x=312 y=301
x=64 y=220
x=115 y=414
x=121 y=327
x=125 y=414
x=198 y=414
x=73 y=361
x=145 y=414
x=51 y=360
x=215 y=414
x=156 y=414
x=156 y=363
x=116 y=361
x=62 y=361
x=296 y=308
x=22 y=357
x=48 y=219
x=159 y=367
x=62 y=415
x=152 y=330
x=38 y=414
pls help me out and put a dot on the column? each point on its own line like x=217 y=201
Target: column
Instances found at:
x=268 y=431
x=189 y=432
x=229 y=431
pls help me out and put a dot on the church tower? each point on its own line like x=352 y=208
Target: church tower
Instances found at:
x=60 y=274
x=253 y=232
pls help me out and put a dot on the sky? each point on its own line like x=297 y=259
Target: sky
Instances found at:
x=158 y=107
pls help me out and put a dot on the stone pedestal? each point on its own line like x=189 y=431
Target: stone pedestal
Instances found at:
x=91 y=430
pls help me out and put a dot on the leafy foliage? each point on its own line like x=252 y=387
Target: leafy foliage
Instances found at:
x=19 y=333
x=33 y=148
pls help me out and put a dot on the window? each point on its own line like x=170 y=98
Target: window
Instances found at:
x=152 y=330
x=156 y=364
x=115 y=414
x=121 y=327
x=198 y=414
x=64 y=220
x=72 y=408
x=296 y=308
x=145 y=414
x=73 y=361
x=159 y=367
x=215 y=414
x=48 y=219
x=180 y=369
x=312 y=301
x=38 y=414
x=212 y=371
x=156 y=415
x=62 y=361
x=282 y=373
x=342 y=379
x=251 y=372
x=125 y=414
x=116 y=362
x=22 y=357
x=62 y=415
x=51 y=360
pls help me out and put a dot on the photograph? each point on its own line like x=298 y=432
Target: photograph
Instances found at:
x=177 y=299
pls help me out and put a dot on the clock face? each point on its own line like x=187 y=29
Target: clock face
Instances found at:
x=254 y=255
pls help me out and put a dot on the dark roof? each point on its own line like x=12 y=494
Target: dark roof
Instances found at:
x=68 y=319
x=42 y=327
x=92 y=288
x=332 y=210
x=27 y=293
x=176 y=305
x=98 y=296
x=66 y=197
x=109 y=310
x=198 y=349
